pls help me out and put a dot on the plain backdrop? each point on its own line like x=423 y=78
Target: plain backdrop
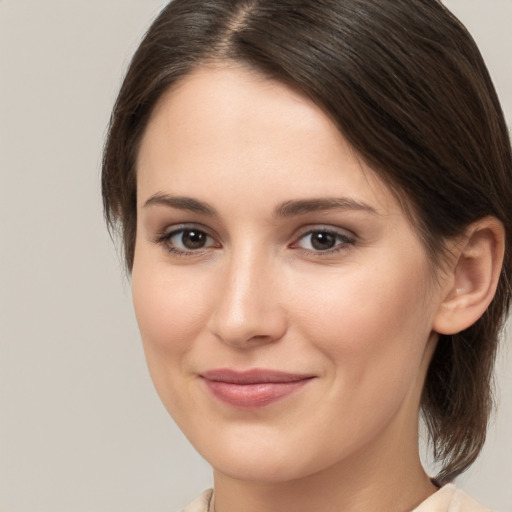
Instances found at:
x=81 y=428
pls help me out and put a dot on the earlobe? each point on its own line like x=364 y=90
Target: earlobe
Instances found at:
x=473 y=276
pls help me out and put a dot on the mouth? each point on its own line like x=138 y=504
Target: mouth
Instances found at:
x=254 y=388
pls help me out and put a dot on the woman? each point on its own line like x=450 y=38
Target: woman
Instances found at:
x=314 y=200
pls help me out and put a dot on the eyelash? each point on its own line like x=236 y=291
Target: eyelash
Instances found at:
x=166 y=237
x=342 y=241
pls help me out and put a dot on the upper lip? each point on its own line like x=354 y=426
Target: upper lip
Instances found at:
x=253 y=376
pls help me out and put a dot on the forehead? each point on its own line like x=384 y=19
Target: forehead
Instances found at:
x=230 y=129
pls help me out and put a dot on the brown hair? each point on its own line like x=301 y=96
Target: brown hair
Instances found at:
x=408 y=88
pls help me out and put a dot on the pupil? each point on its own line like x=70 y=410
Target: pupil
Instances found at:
x=193 y=239
x=323 y=241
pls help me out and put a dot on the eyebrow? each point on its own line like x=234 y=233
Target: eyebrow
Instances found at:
x=181 y=203
x=286 y=209
x=303 y=206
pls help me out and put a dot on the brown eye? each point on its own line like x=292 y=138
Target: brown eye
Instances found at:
x=322 y=240
x=193 y=239
x=185 y=240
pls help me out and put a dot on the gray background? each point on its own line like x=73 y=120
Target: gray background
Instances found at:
x=81 y=428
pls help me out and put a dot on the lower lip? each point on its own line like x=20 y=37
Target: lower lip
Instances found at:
x=253 y=396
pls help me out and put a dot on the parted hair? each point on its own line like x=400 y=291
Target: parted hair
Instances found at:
x=407 y=86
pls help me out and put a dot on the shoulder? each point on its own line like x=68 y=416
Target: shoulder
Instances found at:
x=450 y=499
x=201 y=503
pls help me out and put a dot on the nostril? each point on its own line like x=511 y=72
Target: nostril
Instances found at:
x=247 y=310
x=264 y=326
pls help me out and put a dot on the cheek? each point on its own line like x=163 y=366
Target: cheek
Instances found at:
x=372 y=331
x=170 y=312
x=372 y=323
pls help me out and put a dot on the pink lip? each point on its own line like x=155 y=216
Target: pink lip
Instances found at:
x=254 y=388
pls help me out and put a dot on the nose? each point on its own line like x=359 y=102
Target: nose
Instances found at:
x=247 y=312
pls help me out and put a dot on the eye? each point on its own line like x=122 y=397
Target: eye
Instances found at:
x=187 y=240
x=323 y=240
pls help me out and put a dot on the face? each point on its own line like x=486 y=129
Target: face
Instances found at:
x=283 y=298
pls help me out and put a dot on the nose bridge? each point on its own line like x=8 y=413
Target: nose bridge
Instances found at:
x=247 y=309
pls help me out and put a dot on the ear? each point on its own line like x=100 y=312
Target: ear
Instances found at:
x=472 y=277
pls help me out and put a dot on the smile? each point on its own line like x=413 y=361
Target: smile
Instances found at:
x=254 y=388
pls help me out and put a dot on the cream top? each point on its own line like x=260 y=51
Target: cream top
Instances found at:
x=447 y=499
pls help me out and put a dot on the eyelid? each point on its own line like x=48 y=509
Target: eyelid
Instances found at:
x=164 y=236
x=348 y=238
x=171 y=229
x=327 y=228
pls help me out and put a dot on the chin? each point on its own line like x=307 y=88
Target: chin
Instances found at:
x=263 y=469
x=261 y=457
x=253 y=456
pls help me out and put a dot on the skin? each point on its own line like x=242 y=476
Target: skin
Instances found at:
x=360 y=318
